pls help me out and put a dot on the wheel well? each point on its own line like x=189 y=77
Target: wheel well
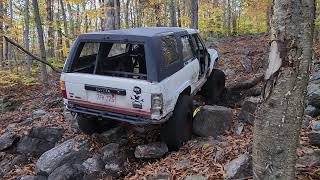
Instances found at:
x=187 y=91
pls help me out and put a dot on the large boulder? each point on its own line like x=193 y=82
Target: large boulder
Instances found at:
x=7 y=140
x=151 y=151
x=212 y=121
x=113 y=159
x=310 y=157
x=313 y=95
x=32 y=178
x=111 y=135
x=93 y=165
x=196 y=177
x=239 y=168
x=70 y=151
x=247 y=113
x=67 y=172
x=50 y=134
x=38 y=113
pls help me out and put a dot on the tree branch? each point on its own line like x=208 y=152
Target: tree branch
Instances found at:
x=31 y=55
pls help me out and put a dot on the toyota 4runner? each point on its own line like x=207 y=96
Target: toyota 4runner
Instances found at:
x=140 y=76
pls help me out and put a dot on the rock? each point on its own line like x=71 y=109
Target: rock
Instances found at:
x=312 y=111
x=34 y=146
x=239 y=128
x=246 y=117
x=229 y=72
x=247 y=65
x=240 y=167
x=313 y=95
x=112 y=135
x=26 y=122
x=38 y=113
x=196 y=177
x=114 y=167
x=250 y=105
x=315 y=125
x=163 y=176
x=183 y=164
x=305 y=123
x=33 y=178
x=70 y=151
x=7 y=140
x=67 y=172
x=110 y=151
x=218 y=154
x=212 y=121
x=92 y=165
x=50 y=134
x=314 y=138
x=315 y=78
x=7 y=163
x=151 y=151
x=310 y=158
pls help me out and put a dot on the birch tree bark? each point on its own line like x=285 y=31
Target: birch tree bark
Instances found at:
x=117 y=20
x=26 y=38
x=43 y=68
x=109 y=13
x=278 y=122
x=71 y=20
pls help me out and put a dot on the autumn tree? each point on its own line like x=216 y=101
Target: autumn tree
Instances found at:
x=194 y=14
x=279 y=119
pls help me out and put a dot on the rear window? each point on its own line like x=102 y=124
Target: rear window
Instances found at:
x=111 y=59
x=169 y=49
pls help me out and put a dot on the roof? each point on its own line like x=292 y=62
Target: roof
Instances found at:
x=144 y=32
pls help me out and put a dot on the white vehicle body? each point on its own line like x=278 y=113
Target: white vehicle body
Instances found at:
x=131 y=100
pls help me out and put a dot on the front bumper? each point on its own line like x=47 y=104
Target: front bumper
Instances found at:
x=136 y=120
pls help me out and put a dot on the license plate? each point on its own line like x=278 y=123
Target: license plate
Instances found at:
x=109 y=99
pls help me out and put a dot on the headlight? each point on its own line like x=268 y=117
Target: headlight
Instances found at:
x=156 y=104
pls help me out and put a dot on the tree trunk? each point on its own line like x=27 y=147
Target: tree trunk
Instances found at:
x=157 y=12
x=65 y=24
x=59 y=32
x=1 y=33
x=26 y=38
x=194 y=14
x=49 y=6
x=229 y=17
x=117 y=20
x=126 y=14
x=179 y=13
x=10 y=50
x=279 y=118
x=109 y=13
x=44 y=75
x=71 y=20
x=173 y=15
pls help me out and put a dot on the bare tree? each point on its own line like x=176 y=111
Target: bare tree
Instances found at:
x=117 y=20
x=44 y=74
x=71 y=20
x=126 y=13
x=59 y=32
x=194 y=14
x=26 y=38
x=9 y=47
x=65 y=24
x=109 y=13
x=278 y=122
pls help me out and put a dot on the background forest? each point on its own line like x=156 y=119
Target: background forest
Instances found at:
x=63 y=20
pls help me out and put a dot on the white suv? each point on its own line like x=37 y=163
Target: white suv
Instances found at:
x=140 y=76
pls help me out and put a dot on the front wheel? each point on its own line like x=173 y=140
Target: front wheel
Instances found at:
x=214 y=86
x=178 y=129
x=91 y=124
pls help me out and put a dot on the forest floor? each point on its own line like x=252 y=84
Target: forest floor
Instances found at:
x=200 y=152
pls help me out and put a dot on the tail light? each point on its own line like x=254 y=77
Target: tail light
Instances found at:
x=63 y=89
x=156 y=104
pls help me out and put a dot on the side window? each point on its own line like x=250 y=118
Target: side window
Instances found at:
x=169 y=49
x=186 y=48
x=117 y=49
x=85 y=62
x=198 y=42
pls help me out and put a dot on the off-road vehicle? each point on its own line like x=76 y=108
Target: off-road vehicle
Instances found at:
x=141 y=76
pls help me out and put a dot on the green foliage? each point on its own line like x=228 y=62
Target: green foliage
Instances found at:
x=9 y=78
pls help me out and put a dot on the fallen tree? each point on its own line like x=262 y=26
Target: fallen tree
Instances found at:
x=31 y=55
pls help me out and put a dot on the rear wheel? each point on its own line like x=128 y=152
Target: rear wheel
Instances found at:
x=214 y=86
x=91 y=124
x=178 y=129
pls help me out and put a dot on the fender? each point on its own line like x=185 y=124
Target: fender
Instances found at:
x=213 y=59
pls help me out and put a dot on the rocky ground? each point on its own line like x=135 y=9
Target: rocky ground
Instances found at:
x=40 y=140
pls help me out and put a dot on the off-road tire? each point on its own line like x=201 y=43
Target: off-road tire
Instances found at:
x=90 y=124
x=178 y=129
x=214 y=87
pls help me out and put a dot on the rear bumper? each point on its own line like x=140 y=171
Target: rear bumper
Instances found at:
x=136 y=120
